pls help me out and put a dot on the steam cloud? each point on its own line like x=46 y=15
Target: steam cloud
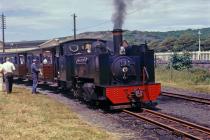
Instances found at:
x=120 y=12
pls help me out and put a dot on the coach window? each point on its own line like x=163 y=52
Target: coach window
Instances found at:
x=47 y=57
x=61 y=50
x=16 y=59
x=37 y=57
x=57 y=52
x=1 y=60
x=29 y=59
x=22 y=59
x=13 y=60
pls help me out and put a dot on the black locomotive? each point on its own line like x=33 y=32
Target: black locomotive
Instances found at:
x=99 y=71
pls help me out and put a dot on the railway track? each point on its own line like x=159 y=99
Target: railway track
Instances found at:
x=186 y=97
x=178 y=126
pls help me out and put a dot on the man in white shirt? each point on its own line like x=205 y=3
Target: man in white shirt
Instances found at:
x=8 y=70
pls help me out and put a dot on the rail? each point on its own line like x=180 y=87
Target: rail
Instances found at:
x=178 y=126
x=186 y=97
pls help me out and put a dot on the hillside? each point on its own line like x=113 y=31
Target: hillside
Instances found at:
x=160 y=41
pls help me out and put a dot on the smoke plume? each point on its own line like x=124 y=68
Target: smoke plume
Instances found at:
x=120 y=13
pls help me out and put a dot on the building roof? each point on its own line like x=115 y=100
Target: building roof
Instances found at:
x=24 y=44
x=21 y=46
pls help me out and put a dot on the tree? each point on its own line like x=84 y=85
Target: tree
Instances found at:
x=168 y=43
x=206 y=44
x=187 y=42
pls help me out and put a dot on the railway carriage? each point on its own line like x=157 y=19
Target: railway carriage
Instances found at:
x=19 y=60
x=47 y=61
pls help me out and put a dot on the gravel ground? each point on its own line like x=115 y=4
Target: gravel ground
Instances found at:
x=194 y=112
x=130 y=128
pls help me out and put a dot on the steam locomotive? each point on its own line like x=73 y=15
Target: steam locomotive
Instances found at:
x=106 y=75
x=96 y=70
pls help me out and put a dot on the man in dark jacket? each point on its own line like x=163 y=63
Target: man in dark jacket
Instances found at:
x=35 y=72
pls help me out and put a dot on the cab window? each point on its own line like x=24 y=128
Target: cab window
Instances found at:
x=88 y=47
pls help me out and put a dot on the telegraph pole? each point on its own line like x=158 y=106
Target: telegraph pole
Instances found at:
x=199 y=44
x=74 y=18
x=199 y=40
x=3 y=26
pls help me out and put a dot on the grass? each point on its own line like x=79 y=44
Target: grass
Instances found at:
x=194 y=79
x=24 y=116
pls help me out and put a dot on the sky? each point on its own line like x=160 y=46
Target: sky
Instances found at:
x=47 y=19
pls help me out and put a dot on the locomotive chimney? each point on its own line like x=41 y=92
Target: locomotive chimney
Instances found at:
x=117 y=39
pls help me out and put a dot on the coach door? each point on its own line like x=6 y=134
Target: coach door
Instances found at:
x=22 y=65
x=48 y=68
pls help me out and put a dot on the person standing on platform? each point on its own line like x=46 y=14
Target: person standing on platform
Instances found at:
x=8 y=70
x=35 y=72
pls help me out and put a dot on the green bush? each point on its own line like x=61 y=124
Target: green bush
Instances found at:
x=181 y=62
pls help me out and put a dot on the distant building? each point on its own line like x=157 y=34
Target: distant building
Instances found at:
x=195 y=55
x=21 y=46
